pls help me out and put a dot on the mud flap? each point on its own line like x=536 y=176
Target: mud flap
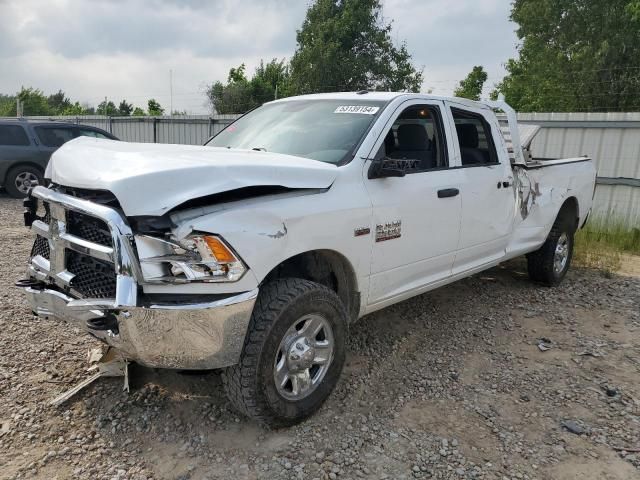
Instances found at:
x=107 y=364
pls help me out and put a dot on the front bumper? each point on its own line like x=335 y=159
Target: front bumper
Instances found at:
x=186 y=336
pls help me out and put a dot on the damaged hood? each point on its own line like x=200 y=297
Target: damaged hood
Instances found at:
x=151 y=179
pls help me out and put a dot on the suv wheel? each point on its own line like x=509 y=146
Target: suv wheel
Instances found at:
x=21 y=179
x=293 y=353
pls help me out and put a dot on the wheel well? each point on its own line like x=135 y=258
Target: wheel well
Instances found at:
x=326 y=267
x=22 y=164
x=570 y=211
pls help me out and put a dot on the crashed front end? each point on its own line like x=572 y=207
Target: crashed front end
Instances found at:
x=89 y=268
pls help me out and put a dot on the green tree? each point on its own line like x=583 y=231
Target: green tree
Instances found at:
x=88 y=109
x=58 y=102
x=346 y=45
x=471 y=87
x=125 y=108
x=634 y=9
x=236 y=75
x=575 y=55
x=74 y=109
x=154 y=108
x=7 y=105
x=34 y=102
x=231 y=98
x=270 y=81
x=138 y=112
x=107 y=107
x=239 y=94
x=235 y=96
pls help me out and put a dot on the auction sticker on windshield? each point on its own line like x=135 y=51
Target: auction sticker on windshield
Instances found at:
x=362 y=109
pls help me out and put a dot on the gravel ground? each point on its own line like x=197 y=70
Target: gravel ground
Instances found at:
x=451 y=384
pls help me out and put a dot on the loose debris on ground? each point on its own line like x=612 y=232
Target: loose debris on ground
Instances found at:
x=449 y=385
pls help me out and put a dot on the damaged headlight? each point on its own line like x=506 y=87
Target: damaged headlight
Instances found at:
x=196 y=258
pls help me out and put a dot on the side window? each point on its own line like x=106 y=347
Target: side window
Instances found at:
x=91 y=133
x=474 y=138
x=54 y=136
x=416 y=140
x=13 y=135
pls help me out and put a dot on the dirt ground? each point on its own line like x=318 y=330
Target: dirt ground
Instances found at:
x=492 y=377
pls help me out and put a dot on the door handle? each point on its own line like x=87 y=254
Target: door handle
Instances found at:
x=448 y=192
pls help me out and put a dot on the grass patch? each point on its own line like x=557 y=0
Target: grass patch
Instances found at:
x=602 y=243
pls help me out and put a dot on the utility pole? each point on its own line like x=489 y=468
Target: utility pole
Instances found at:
x=171 y=92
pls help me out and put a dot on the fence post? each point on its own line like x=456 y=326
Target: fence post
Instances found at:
x=155 y=130
x=110 y=124
x=211 y=122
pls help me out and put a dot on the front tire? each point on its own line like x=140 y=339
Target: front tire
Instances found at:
x=21 y=179
x=293 y=354
x=550 y=263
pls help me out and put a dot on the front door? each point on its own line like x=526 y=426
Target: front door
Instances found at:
x=416 y=218
x=488 y=196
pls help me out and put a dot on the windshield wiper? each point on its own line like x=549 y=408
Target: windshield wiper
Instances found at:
x=259 y=149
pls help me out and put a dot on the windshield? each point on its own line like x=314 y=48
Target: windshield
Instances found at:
x=325 y=130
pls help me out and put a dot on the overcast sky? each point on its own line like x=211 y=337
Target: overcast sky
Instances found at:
x=125 y=48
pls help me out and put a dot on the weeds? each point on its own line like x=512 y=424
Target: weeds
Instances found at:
x=603 y=243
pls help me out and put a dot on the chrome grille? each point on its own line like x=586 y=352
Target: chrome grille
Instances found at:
x=40 y=247
x=92 y=278
x=87 y=276
x=89 y=228
x=84 y=248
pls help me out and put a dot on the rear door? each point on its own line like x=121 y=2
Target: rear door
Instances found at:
x=488 y=196
x=416 y=218
x=15 y=147
x=52 y=137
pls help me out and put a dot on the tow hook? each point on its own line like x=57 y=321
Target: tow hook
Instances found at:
x=30 y=283
x=107 y=322
x=30 y=207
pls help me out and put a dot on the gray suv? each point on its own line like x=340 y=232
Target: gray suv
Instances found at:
x=26 y=146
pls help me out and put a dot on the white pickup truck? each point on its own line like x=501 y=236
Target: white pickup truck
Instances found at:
x=255 y=252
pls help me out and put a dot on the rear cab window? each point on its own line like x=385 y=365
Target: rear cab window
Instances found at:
x=475 y=140
x=13 y=135
x=54 y=136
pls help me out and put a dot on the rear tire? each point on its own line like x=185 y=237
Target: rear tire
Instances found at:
x=21 y=179
x=293 y=353
x=550 y=263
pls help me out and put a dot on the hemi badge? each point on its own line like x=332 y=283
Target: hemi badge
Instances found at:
x=359 y=232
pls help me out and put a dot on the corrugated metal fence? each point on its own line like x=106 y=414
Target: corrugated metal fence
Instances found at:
x=180 y=129
x=611 y=139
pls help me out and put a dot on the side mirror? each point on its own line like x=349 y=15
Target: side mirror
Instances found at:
x=385 y=167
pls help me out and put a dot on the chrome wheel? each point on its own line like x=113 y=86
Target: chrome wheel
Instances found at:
x=24 y=181
x=561 y=255
x=303 y=357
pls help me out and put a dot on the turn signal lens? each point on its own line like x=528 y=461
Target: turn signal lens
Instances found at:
x=219 y=250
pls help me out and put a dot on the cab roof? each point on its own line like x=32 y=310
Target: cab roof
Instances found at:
x=381 y=96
